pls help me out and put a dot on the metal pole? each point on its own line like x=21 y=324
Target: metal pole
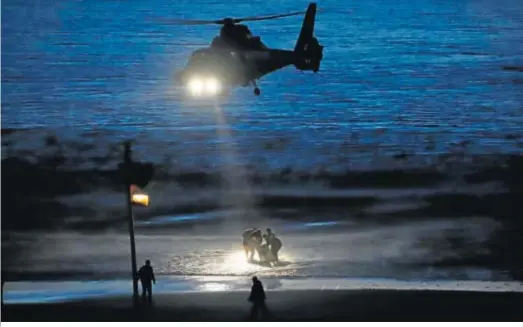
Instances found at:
x=130 y=218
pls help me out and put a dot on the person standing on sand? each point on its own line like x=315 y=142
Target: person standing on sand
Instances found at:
x=146 y=277
x=257 y=298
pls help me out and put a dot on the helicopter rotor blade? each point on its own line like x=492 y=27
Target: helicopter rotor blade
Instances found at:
x=191 y=22
x=256 y=18
x=190 y=44
x=224 y=20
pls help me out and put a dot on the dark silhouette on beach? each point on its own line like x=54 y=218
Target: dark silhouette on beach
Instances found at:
x=257 y=298
x=146 y=277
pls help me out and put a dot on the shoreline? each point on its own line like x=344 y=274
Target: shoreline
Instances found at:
x=40 y=292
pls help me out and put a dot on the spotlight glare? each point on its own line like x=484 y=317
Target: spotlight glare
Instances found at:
x=212 y=86
x=196 y=86
x=204 y=86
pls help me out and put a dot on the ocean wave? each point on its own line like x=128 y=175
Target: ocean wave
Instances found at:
x=48 y=197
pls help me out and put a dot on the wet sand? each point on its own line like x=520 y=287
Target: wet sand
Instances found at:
x=331 y=305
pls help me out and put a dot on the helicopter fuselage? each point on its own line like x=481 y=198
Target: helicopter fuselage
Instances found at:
x=241 y=61
x=232 y=67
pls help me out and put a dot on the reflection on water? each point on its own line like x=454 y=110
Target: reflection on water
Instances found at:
x=214 y=287
x=46 y=292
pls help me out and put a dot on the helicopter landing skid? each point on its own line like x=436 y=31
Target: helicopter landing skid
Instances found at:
x=257 y=90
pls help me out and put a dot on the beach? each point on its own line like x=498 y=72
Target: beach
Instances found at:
x=304 y=305
x=207 y=298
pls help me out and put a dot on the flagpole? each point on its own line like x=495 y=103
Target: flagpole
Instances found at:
x=130 y=218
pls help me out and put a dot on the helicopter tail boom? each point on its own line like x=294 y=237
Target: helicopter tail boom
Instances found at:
x=308 y=49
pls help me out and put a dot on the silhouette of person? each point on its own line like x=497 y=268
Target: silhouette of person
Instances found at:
x=257 y=298
x=274 y=242
x=146 y=277
x=252 y=239
x=247 y=246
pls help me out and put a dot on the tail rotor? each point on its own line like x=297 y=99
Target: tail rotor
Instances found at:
x=308 y=49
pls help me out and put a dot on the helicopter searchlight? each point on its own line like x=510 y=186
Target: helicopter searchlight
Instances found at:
x=204 y=86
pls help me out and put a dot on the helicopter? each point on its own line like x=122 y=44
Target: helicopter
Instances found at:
x=237 y=58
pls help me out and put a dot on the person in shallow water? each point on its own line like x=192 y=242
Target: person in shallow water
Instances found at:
x=275 y=244
x=146 y=277
x=257 y=298
x=266 y=256
x=252 y=239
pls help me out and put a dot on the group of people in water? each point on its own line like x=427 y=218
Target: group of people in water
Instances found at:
x=253 y=241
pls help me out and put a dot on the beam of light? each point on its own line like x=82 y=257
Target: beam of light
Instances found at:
x=239 y=194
